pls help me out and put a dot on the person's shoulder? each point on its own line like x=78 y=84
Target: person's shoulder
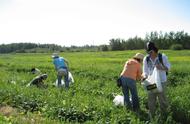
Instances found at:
x=129 y=60
x=146 y=57
x=61 y=58
x=37 y=77
x=164 y=55
x=134 y=61
x=35 y=80
x=55 y=59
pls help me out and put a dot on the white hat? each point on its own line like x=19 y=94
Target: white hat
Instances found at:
x=139 y=56
x=54 y=55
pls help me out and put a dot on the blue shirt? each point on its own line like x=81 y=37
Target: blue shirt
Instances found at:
x=59 y=63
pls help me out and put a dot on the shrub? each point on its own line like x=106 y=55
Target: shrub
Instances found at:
x=105 y=48
x=176 y=47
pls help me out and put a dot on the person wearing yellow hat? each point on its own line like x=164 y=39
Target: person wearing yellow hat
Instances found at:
x=131 y=72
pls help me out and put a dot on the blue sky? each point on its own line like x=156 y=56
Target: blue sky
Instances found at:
x=93 y=22
x=178 y=8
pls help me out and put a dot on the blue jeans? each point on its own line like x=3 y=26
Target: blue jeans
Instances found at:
x=66 y=79
x=129 y=84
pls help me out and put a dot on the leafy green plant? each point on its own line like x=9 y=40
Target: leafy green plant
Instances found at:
x=89 y=99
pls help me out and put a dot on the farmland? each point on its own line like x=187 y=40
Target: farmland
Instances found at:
x=89 y=99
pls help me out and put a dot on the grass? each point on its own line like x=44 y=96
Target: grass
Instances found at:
x=89 y=99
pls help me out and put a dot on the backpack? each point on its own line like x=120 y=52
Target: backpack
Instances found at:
x=159 y=58
x=119 y=82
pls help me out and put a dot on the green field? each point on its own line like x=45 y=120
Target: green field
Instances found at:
x=89 y=99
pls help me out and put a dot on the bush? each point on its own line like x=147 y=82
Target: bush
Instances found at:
x=176 y=47
x=104 y=48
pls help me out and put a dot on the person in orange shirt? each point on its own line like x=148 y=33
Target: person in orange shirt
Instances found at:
x=132 y=71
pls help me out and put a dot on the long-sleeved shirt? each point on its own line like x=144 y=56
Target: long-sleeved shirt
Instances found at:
x=132 y=69
x=149 y=67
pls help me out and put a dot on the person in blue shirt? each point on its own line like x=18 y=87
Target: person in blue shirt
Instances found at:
x=61 y=66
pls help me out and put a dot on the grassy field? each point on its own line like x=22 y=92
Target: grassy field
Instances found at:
x=89 y=99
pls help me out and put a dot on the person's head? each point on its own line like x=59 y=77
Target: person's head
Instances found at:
x=44 y=76
x=35 y=70
x=139 y=57
x=150 y=48
x=32 y=70
x=55 y=55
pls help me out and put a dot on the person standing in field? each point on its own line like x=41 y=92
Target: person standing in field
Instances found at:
x=154 y=59
x=132 y=71
x=61 y=66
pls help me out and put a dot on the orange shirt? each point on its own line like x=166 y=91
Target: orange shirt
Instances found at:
x=132 y=69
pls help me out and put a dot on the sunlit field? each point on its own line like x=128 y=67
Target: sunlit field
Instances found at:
x=90 y=98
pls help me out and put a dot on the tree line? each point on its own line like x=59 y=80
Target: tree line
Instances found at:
x=172 y=40
x=28 y=47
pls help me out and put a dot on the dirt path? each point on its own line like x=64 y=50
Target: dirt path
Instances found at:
x=13 y=115
x=7 y=111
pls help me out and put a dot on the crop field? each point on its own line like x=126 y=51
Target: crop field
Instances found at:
x=90 y=98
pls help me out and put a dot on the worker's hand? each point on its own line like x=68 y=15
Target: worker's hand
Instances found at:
x=159 y=67
x=143 y=77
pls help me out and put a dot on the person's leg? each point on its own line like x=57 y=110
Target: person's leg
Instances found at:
x=59 y=77
x=125 y=91
x=163 y=100
x=66 y=79
x=134 y=94
x=152 y=103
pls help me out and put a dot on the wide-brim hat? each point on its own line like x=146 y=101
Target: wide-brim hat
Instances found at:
x=54 y=55
x=139 y=56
